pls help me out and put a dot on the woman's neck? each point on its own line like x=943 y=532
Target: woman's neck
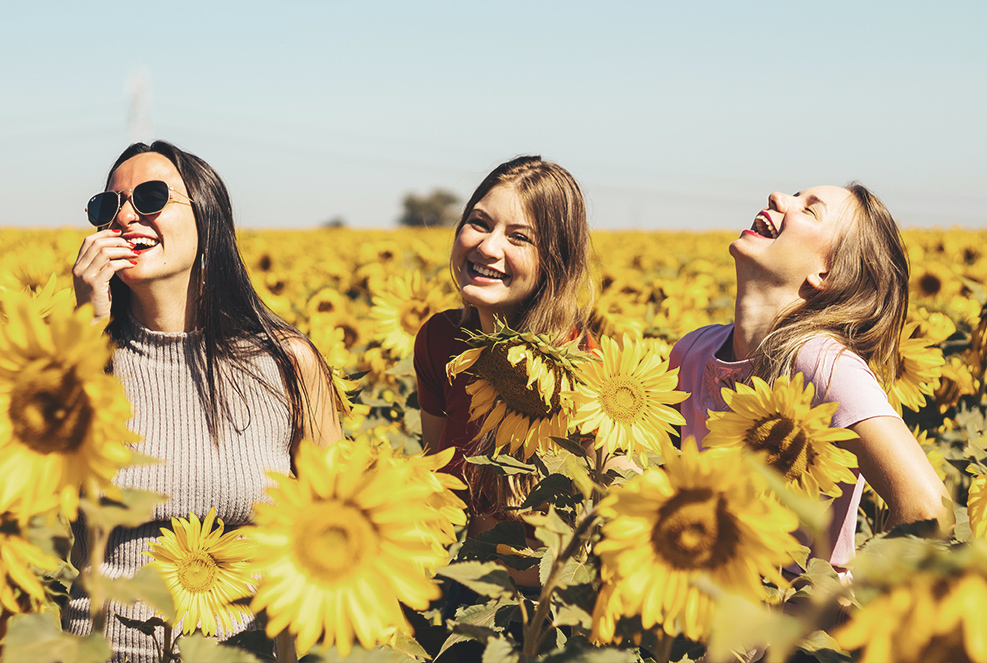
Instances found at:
x=755 y=311
x=163 y=309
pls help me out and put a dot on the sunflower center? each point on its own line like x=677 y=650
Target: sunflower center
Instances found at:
x=197 y=571
x=622 y=398
x=930 y=285
x=411 y=318
x=787 y=446
x=332 y=540
x=49 y=410
x=695 y=530
x=511 y=383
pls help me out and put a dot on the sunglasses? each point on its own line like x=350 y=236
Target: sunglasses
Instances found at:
x=147 y=198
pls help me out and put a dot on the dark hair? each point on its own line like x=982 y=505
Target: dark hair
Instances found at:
x=234 y=322
x=553 y=205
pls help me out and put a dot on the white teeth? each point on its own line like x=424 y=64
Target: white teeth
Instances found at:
x=763 y=226
x=145 y=242
x=487 y=272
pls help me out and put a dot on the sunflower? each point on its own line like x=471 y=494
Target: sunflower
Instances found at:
x=955 y=382
x=919 y=604
x=625 y=398
x=205 y=570
x=793 y=437
x=519 y=387
x=976 y=506
x=343 y=546
x=21 y=590
x=700 y=515
x=450 y=511
x=403 y=307
x=918 y=371
x=44 y=298
x=62 y=418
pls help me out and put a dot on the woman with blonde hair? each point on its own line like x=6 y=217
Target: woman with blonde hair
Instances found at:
x=822 y=290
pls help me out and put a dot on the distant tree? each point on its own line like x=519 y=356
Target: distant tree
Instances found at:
x=439 y=208
x=335 y=222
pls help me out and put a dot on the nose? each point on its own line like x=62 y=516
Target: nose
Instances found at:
x=778 y=201
x=491 y=246
x=127 y=213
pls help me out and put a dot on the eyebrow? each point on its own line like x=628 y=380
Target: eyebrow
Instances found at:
x=510 y=226
x=812 y=200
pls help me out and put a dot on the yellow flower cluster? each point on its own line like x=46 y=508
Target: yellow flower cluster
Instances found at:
x=361 y=530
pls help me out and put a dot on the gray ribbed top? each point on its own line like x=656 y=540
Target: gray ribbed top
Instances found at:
x=197 y=473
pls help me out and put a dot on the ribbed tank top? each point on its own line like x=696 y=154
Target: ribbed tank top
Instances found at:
x=169 y=413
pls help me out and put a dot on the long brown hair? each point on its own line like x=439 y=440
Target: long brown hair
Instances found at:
x=553 y=205
x=864 y=303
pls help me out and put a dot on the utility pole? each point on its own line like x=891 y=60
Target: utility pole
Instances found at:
x=139 y=119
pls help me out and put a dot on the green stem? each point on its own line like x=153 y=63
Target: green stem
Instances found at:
x=286 y=647
x=98 y=607
x=167 y=646
x=534 y=635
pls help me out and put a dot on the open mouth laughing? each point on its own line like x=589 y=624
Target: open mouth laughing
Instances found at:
x=764 y=227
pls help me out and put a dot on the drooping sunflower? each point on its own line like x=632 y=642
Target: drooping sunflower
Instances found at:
x=343 y=546
x=63 y=420
x=21 y=589
x=702 y=514
x=625 y=398
x=205 y=570
x=794 y=438
x=521 y=379
x=919 y=604
x=918 y=371
x=403 y=307
x=976 y=506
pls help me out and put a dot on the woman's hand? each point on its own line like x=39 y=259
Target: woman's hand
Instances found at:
x=103 y=254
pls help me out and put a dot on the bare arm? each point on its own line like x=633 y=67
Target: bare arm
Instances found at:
x=432 y=426
x=894 y=464
x=320 y=421
x=103 y=254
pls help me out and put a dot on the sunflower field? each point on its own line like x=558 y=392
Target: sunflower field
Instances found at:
x=364 y=552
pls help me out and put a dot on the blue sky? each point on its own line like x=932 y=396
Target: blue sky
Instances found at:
x=671 y=115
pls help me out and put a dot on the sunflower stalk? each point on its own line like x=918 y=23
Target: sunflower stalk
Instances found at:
x=534 y=634
x=98 y=538
x=168 y=645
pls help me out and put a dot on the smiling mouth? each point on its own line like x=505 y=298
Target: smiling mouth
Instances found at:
x=764 y=227
x=142 y=244
x=486 y=272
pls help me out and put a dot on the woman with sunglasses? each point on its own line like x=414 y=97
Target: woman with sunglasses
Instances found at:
x=222 y=389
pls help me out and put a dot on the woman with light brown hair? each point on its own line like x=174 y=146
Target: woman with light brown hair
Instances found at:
x=822 y=290
x=521 y=255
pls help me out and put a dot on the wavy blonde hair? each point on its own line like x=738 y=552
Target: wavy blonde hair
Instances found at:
x=864 y=303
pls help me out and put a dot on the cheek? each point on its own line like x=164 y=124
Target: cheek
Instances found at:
x=527 y=264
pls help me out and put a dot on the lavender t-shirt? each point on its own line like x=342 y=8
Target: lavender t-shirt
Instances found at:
x=838 y=376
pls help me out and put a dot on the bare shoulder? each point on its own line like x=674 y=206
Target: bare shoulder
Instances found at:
x=301 y=350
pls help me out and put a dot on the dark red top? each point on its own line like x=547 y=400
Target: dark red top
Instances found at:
x=440 y=340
